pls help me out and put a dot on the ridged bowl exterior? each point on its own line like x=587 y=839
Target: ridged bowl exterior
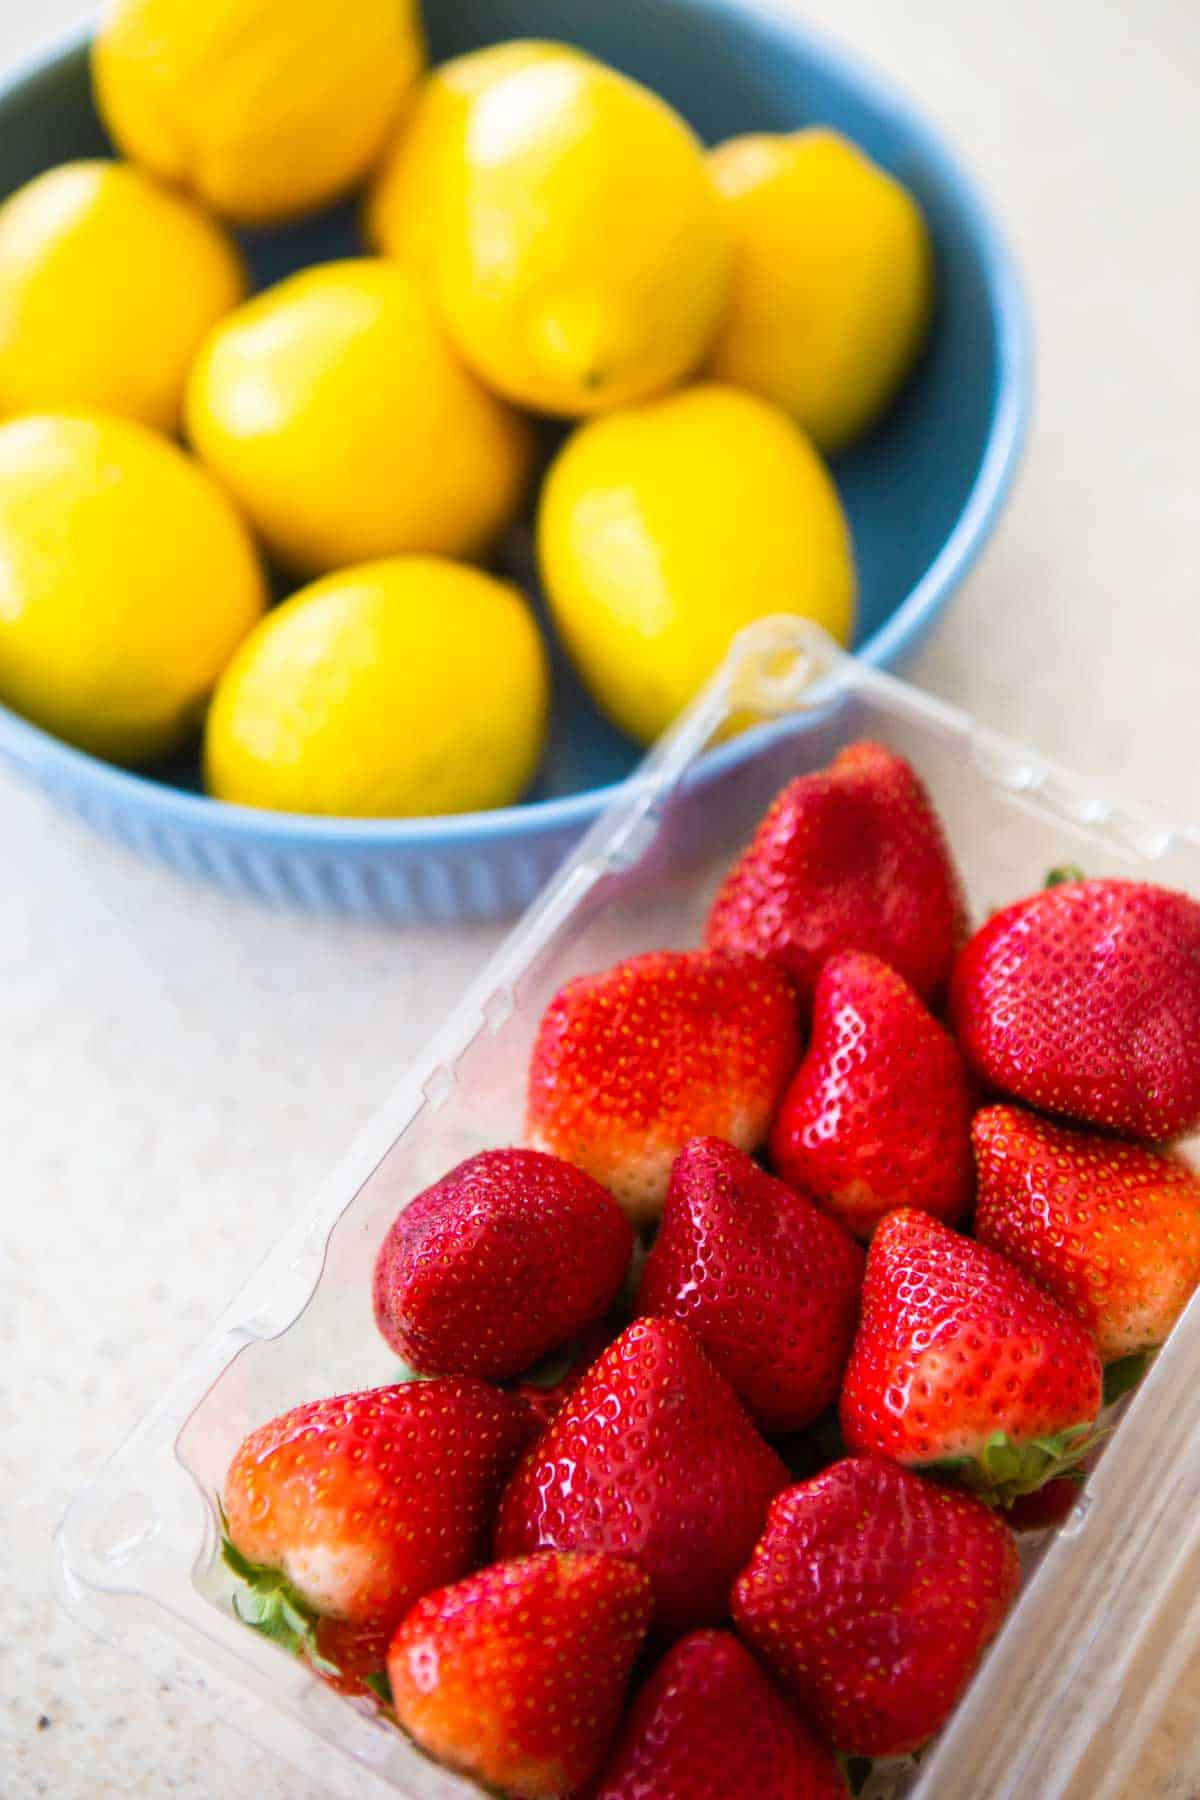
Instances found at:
x=922 y=492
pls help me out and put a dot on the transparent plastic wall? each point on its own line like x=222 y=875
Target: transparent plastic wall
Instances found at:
x=1107 y=1618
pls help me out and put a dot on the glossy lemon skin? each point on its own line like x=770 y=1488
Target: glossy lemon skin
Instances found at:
x=666 y=528
x=580 y=256
x=831 y=280
x=410 y=686
x=263 y=109
x=127 y=580
x=403 y=202
x=334 y=409
x=108 y=284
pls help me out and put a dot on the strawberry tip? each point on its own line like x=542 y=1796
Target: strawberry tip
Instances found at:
x=1002 y=1471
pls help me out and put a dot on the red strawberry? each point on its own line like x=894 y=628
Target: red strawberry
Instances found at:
x=630 y=1064
x=879 y=1113
x=761 y=1277
x=1046 y=1507
x=872 y=1595
x=350 y=1657
x=546 y=1392
x=1084 y=1000
x=351 y=1508
x=1112 y=1230
x=708 y=1725
x=961 y=1361
x=651 y=1458
x=498 y=1263
x=516 y=1675
x=849 y=858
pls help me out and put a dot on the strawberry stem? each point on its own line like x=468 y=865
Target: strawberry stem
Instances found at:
x=1002 y=1471
x=1063 y=873
x=268 y=1604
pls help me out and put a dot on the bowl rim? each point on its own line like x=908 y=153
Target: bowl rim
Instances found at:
x=31 y=748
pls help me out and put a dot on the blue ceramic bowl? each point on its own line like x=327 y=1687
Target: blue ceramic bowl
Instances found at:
x=922 y=491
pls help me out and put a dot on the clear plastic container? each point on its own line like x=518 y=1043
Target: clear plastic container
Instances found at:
x=1109 y=1614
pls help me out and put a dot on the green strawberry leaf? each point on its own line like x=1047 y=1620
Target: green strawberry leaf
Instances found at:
x=1003 y=1470
x=234 y=1560
x=1122 y=1376
x=380 y=1686
x=406 y=1373
x=950 y=1466
x=1063 y=873
x=269 y=1605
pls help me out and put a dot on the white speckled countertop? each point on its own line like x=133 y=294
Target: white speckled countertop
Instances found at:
x=175 y=1067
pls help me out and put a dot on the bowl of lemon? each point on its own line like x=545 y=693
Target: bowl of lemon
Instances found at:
x=403 y=406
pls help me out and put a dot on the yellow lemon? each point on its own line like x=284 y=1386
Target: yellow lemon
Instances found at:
x=262 y=108
x=127 y=580
x=664 y=529
x=408 y=686
x=108 y=282
x=334 y=409
x=580 y=257
x=831 y=279
x=403 y=203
